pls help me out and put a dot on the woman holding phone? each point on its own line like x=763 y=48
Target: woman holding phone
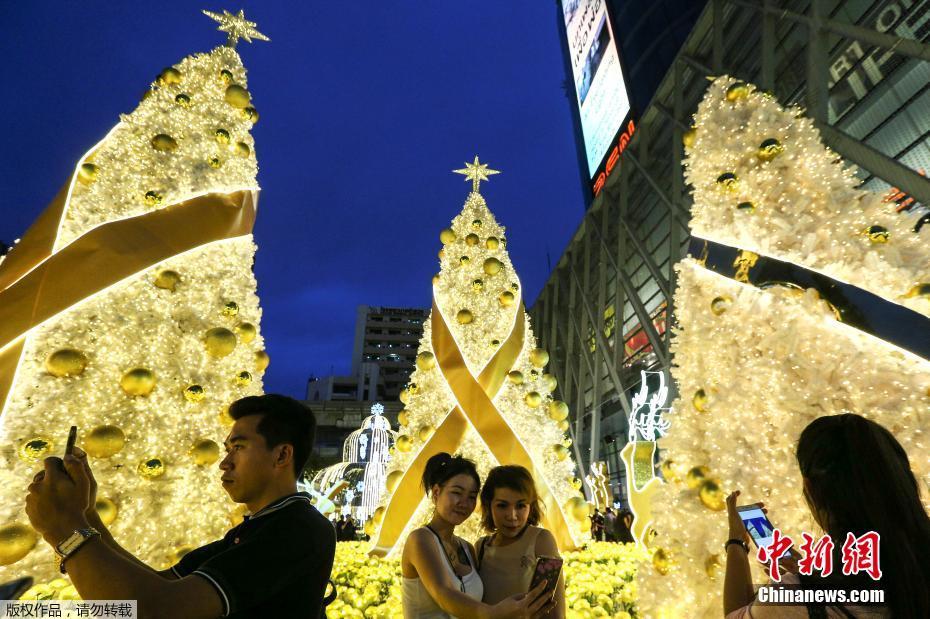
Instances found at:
x=857 y=479
x=440 y=575
x=507 y=558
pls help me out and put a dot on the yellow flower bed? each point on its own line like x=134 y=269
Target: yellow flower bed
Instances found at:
x=598 y=580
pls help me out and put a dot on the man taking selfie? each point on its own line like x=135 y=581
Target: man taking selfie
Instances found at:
x=277 y=562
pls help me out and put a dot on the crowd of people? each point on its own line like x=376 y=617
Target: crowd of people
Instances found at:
x=278 y=561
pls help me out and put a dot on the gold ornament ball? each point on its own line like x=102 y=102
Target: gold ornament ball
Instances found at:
x=35 y=449
x=563 y=425
x=712 y=495
x=447 y=235
x=204 y=452
x=549 y=382
x=237 y=96
x=250 y=114
x=561 y=452
x=576 y=506
x=151 y=468
x=426 y=360
x=243 y=379
x=532 y=399
x=413 y=389
x=262 y=360
x=737 y=91
x=746 y=207
x=138 y=382
x=506 y=299
x=87 y=173
x=183 y=100
x=514 y=286
x=66 y=362
x=492 y=266
x=876 y=234
x=230 y=309
x=226 y=76
x=669 y=471
x=720 y=305
x=215 y=162
x=476 y=224
x=729 y=181
x=576 y=483
x=164 y=143
x=170 y=77
x=494 y=343
x=463 y=260
x=688 y=137
x=700 y=401
x=246 y=332
x=472 y=239
x=464 y=317
x=534 y=374
x=104 y=441
x=492 y=243
x=403 y=417
x=696 y=476
x=393 y=478
x=219 y=341
x=222 y=136
x=404 y=396
x=539 y=357
x=712 y=566
x=194 y=393
x=167 y=280
x=16 y=541
x=567 y=442
x=106 y=509
x=403 y=443
x=558 y=410
x=477 y=285
x=425 y=432
x=243 y=149
x=769 y=149
x=516 y=377
x=152 y=198
x=662 y=561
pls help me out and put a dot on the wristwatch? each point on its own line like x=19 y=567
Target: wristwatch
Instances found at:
x=742 y=543
x=68 y=547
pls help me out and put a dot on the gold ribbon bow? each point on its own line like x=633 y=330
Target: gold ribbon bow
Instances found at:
x=474 y=405
x=36 y=284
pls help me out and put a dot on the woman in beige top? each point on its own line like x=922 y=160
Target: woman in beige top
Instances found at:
x=510 y=510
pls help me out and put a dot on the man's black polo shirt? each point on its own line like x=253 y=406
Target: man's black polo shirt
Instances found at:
x=274 y=564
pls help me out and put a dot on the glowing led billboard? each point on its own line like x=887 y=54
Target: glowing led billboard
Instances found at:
x=600 y=88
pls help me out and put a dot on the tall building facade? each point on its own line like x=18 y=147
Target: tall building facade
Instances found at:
x=388 y=337
x=858 y=67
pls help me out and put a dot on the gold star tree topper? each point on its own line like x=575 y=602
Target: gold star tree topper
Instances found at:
x=236 y=26
x=476 y=172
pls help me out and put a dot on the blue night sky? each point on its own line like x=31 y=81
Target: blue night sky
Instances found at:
x=365 y=108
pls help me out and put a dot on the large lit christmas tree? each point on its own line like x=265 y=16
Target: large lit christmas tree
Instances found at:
x=129 y=310
x=783 y=314
x=480 y=387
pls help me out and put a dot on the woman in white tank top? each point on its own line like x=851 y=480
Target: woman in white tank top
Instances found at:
x=440 y=577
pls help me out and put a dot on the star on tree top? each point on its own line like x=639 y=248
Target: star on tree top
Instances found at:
x=236 y=26
x=476 y=172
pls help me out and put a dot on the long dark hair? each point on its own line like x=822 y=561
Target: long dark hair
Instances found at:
x=860 y=480
x=442 y=467
x=515 y=478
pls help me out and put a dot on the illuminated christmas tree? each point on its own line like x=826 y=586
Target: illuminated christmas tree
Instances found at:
x=129 y=310
x=784 y=315
x=480 y=387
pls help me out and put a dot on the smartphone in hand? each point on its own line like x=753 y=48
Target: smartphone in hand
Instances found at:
x=547 y=568
x=72 y=438
x=757 y=524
